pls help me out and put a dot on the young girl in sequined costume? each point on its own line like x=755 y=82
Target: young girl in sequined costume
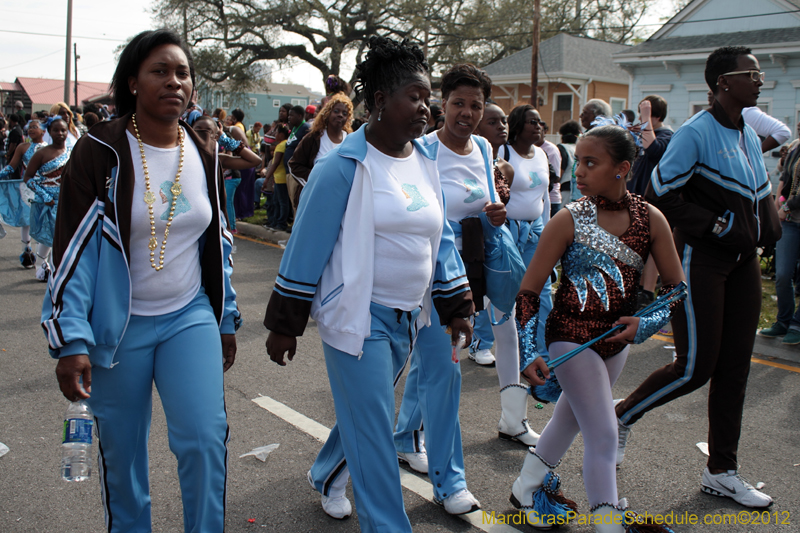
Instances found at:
x=43 y=177
x=13 y=207
x=603 y=241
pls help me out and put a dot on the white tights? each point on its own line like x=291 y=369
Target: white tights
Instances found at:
x=586 y=406
x=506 y=350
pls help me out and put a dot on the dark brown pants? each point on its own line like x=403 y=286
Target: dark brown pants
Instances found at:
x=714 y=334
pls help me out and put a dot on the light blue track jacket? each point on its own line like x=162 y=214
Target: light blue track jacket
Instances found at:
x=88 y=300
x=327 y=269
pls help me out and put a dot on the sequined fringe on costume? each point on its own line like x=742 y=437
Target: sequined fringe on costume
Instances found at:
x=611 y=265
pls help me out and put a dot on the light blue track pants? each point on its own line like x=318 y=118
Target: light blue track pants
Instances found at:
x=482 y=334
x=545 y=297
x=431 y=398
x=361 y=439
x=181 y=352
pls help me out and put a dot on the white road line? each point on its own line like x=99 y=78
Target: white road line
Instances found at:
x=414 y=483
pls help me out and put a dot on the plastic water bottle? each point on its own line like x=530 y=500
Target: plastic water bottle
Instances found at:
x=76 y=446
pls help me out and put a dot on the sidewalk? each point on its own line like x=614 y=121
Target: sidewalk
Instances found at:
x=774 y=348
x=764 y=347
x=260 y=232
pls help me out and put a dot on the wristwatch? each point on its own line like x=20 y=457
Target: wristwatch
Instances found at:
x=719 y=225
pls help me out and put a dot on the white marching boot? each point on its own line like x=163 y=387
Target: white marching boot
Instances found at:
x=608 y=518
x=619 y=518
x=537 y=492
x=514 y=418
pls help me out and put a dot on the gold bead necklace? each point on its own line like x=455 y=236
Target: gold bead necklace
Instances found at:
x=150 y=198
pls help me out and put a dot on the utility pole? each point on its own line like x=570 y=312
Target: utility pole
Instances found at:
x=537 y=15
x=576 y=23
x=77 y=57
x=69 y=51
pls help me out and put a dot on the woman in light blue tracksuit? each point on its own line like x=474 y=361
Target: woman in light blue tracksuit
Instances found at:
x=433 y=388
x=118 y=322
x=371 y=254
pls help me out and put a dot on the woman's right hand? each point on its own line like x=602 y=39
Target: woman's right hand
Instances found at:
x=68 y=371
x=278 y=345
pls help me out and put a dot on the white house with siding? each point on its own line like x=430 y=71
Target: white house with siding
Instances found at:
x=672 y=61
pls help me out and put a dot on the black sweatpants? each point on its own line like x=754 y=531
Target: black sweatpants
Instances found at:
x=714 y=332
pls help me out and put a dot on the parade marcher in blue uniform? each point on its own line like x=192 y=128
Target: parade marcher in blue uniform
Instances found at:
x=433 y=387
x=14 y=209
x=494 y=128
x=43 y=177
x=141 y=292
x=370 y=256
x=529 y=206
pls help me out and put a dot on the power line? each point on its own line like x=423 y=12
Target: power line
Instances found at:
x=722 y=18
x=31 y=60
x=63 y=36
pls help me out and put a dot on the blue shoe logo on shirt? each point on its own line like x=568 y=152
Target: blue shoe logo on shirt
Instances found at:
x=535 y=181
x=417 y=201
x=475 y=191
x=181 y=206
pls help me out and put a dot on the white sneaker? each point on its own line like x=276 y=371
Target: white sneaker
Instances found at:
x=458 y=503
x=731 y=485
x=418 y=461
x=482 y=357
x=336 y=505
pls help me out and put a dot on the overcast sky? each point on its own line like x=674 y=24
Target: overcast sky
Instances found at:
x=98 y=27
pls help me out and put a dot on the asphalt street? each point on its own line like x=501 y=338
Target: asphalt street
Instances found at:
x=661 y=473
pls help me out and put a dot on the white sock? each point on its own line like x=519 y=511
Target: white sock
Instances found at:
x=26 y=234
x=506 y=351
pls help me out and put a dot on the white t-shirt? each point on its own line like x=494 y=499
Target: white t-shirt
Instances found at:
x=157 y=293
x=407 y=217
x=463 y=179
x=464 y=183
x=326 y=144
x=530 y=187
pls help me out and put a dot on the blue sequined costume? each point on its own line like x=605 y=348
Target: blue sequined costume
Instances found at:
x=14 y=209
x=600 y=276
x=46 y=185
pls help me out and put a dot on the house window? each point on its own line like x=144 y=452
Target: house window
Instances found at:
x=276 y=103
x=225 y=102
x=298 y=101
x=562 y=110
x=617 y=105
x=253 y=102
x=696 y=107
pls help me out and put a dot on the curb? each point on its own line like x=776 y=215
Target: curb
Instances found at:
x=775 y=348
x=260 y=232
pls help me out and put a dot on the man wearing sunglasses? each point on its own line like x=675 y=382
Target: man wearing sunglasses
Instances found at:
x=713 y=188
x=773 y=131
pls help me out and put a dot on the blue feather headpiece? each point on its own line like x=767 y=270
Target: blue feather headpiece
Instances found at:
x=622 y=121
